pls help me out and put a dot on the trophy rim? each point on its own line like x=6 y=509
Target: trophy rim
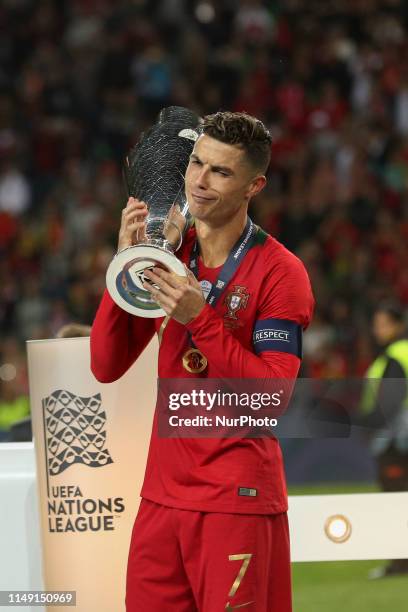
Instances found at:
x=144 y=252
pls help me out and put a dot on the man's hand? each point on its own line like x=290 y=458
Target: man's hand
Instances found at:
x=181 y=300
x=133 y=225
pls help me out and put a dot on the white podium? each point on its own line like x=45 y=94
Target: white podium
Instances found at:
x=91 y=442
x=20 y=556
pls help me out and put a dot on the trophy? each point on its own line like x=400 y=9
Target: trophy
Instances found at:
x=154 y=173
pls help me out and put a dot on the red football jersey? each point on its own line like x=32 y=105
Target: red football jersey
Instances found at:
x=208 y=474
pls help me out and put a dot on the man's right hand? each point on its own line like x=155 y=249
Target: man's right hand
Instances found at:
x=133 y=225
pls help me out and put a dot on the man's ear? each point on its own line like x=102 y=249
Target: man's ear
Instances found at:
x=255 y=186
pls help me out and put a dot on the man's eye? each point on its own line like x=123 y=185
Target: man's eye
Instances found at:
x=195 y=161
x=221 y=172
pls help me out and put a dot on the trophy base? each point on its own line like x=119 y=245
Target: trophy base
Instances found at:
x=125 y=277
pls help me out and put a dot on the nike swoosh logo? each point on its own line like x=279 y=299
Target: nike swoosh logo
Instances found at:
x=229 y=607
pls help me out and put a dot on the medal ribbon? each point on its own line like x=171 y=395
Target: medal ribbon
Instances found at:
x=234 y=259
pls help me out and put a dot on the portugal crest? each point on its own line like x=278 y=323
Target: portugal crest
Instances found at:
x=235 y=300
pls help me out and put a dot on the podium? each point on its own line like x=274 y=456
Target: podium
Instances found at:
x=91 y=442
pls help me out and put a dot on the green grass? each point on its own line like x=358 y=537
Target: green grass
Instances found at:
x=339 y=586
x=344 y=586
x=330 y=488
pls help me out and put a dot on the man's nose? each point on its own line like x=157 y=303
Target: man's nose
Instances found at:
x=202 y=179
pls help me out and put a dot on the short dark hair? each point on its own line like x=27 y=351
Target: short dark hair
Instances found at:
x=74 y=330
x=242 y=130
x=393 y=309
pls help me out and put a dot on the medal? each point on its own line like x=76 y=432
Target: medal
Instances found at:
x=194 y=361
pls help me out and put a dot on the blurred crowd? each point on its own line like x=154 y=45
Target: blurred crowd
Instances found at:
x=79 y=81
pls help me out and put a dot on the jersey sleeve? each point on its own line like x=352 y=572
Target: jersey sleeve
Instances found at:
x=285 y=301
x=117 y=339
x=285 y=309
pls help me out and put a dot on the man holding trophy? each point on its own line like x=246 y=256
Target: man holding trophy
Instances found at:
x=211 y=532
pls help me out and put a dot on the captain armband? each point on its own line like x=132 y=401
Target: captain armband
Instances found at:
x=277 y=335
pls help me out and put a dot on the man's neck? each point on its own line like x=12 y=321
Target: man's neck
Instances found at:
x=216 y=242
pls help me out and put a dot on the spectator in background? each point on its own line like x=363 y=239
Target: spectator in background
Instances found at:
x=14 y=406
x=74 y=330
x=386 y=405
x=14 y=401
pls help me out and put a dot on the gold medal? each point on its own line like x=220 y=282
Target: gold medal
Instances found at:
x=194 y=361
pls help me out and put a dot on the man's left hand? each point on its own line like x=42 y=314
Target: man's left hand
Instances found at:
x=181 y=299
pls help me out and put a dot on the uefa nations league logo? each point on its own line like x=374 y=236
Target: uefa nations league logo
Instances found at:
x=75 y=431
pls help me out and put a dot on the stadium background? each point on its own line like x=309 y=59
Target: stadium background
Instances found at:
x=79 y=81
